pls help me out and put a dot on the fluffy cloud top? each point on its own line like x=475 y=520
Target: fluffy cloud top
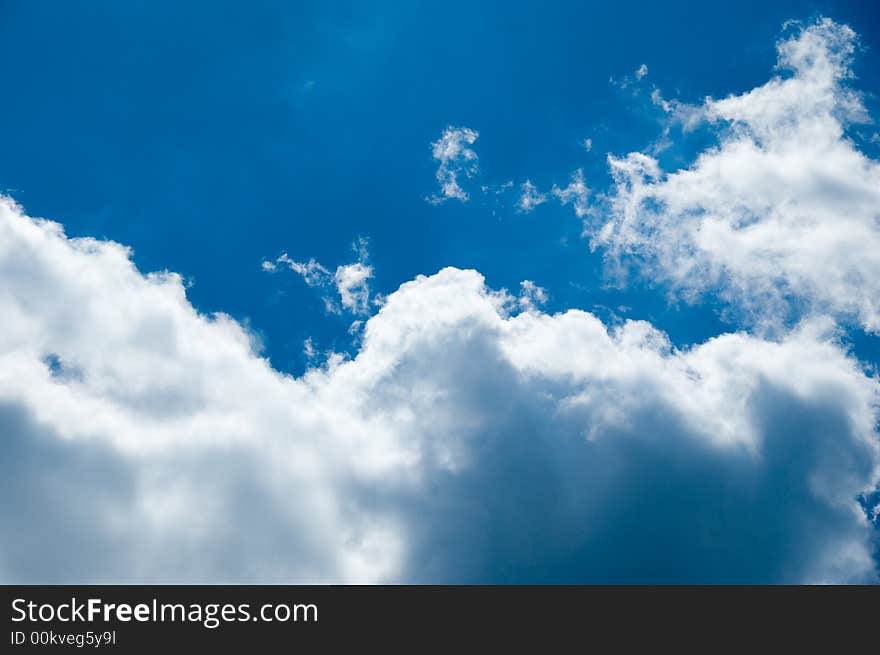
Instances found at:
x=456 y=160
x=146 y=442
x=783 y=215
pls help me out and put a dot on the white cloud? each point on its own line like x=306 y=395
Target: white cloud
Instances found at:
x=530 y=197
x=531 y=295
x=351 y=281
x=588 y=144
x=782 y=215
x=146 y=442
x=311 y=271
x=630 y=82
x=658 y=99
x=457 y=160
x=576 y=194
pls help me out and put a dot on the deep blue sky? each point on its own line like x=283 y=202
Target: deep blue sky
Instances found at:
x=209 y=136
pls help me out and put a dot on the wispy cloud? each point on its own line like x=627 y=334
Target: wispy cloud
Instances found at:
x=531 y=296
x=457 y=160
x=576 y=194
x=350 y=281
x=529 y=197
x=781 y=215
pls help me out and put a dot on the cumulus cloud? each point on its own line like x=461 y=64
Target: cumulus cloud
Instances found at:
x=465 y=442
x=351 y=281
x=457 y=160
x=782 y=216
x=530 y=197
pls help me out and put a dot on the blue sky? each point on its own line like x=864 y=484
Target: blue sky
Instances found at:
x=212 y=138
x=209 y=137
